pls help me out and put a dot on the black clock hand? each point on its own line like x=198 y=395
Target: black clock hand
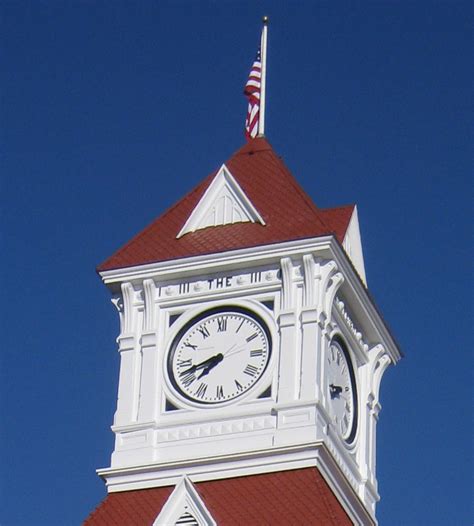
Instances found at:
x=335 y=390
x=216 y=359
x=205 y=363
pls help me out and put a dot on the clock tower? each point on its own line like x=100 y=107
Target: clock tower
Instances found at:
x=251 y=356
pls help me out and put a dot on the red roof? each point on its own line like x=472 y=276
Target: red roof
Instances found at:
x=300 y=496
x=288 y=212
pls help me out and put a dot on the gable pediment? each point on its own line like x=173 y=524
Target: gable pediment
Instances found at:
x=223 y=203
x=184 y=506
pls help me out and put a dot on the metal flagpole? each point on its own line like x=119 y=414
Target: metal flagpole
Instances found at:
x=263 y=48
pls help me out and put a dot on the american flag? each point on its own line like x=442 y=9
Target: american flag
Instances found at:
x=252 y=92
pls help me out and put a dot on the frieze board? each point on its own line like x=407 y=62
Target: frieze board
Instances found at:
x=219 y=283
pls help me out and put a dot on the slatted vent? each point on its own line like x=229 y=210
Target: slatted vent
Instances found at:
x=187 y=519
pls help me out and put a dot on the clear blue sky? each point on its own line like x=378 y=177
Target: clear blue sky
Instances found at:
x=110 y=111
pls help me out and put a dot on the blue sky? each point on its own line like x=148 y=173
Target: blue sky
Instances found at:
x=110 y=111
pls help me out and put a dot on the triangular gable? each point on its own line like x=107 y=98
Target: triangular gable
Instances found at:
x=223 y=203
x=352 y=244
x=343 y=222
x=184 y=507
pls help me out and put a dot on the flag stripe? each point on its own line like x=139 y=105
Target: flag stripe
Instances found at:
x=252 y=92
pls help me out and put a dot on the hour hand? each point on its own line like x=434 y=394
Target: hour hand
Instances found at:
x=335 y=390
x=214 y=361
x=209 y=362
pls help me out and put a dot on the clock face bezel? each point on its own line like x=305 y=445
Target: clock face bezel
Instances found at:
x=348 y=437
x=193 y=322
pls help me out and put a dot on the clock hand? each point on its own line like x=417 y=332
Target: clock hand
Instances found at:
x=228 y=350
x=216 y=359
x=205 y=363
x=236 y=351
x=335 y=390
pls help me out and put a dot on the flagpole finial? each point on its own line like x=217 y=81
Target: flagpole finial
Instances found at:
x=265 y=19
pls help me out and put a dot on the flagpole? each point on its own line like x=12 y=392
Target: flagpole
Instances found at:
x=263 y=48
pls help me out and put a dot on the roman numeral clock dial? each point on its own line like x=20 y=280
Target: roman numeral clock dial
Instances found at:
x=341 y=390
x=219 y=355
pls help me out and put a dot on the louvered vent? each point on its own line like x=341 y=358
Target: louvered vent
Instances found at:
x=187 y=519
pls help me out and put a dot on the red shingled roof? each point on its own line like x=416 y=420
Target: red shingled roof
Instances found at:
x=287 y=210
x=300 y=496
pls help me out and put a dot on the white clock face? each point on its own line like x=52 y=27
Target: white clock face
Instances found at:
x=341 y=391
x=219 y=355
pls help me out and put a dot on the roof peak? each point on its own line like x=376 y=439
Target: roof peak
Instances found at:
x=259 y=144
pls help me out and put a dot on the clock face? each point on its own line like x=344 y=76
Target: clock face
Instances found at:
x=219 y=356
x=341 y=391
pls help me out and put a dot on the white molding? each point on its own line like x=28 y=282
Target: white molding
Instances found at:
x=310 y=454
x=223 y=203
x=184 y=499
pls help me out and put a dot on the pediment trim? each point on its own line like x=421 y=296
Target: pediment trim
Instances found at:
x=223 y=203
x=184 y=506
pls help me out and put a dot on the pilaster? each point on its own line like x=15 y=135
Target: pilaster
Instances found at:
x=287 y=383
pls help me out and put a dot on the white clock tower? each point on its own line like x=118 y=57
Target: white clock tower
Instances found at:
x=251 y=356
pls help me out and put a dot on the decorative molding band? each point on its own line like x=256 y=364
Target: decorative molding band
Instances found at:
x=219 y=283
x=350 y=324
x=216 y=429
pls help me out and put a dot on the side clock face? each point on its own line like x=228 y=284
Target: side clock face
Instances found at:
x=342 y=391
x=219 y=356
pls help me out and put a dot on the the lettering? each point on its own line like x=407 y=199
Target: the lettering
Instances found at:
x=220 y=283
